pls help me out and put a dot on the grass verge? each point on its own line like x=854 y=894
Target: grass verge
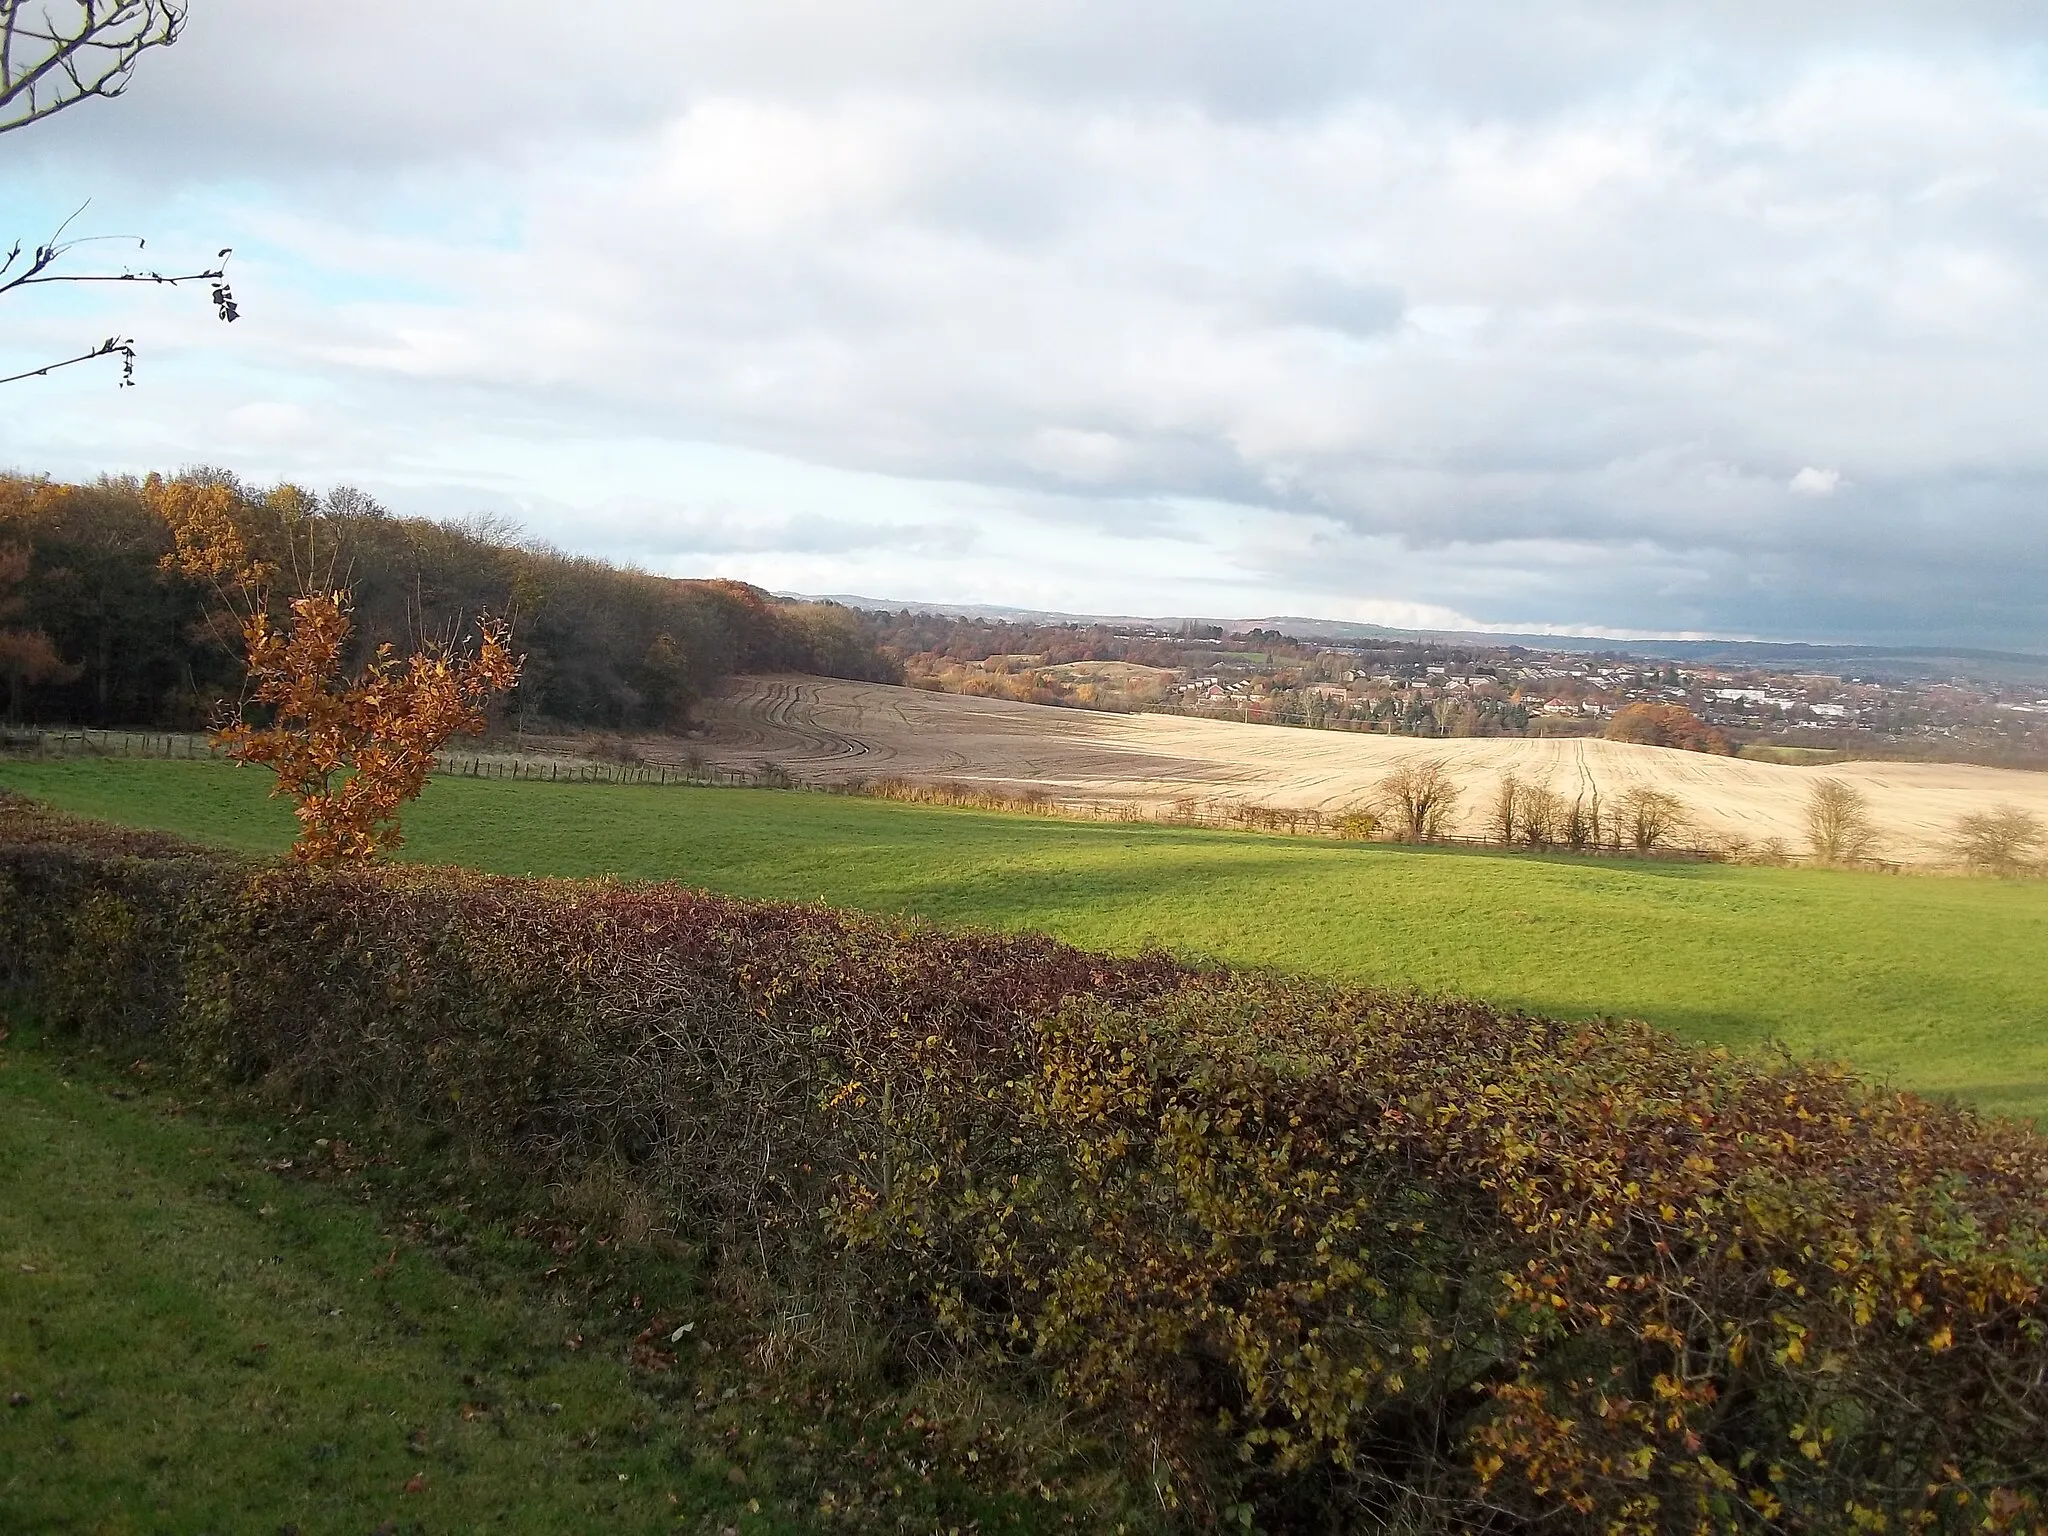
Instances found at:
x=1934 y=983
x=211 y=1321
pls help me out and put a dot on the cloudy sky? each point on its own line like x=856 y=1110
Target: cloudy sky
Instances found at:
x=1640 y=317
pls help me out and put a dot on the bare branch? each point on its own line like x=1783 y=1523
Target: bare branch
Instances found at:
x=52 y=61
x=54 y=55
x=40 y=267
x=114 y=346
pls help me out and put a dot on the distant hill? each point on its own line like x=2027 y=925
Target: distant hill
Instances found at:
x=1771 y=655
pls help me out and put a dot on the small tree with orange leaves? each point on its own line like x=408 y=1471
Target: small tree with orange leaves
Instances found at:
x=350 y=750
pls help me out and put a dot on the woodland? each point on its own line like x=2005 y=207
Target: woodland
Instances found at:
x=97 y=629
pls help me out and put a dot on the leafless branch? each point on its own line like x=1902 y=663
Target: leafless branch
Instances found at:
x=114 y=346
x=41 y=267
x=56 y=53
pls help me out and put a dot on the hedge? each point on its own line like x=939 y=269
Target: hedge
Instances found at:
x=1323 y=1258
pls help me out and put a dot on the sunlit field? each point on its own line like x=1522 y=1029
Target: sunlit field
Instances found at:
x=1936 y=983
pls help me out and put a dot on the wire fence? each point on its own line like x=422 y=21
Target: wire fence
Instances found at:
x=74 y=742
x=576 y=770
x=197 y=746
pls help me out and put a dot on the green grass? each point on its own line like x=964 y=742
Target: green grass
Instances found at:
x=194 y=1343
x=211 y=1322
x=1936 y=983
x=1795 y=757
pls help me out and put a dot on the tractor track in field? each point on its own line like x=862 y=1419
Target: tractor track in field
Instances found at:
x=829 y=731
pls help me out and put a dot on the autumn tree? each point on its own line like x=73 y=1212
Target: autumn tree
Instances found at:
x=27 y=656
x=54 y=56
x=2004 y=840
x=1358 y=823
x=1838 y=825
x=1665 y=725
x=350 y=747
x=1421 y=798
x=664 y=676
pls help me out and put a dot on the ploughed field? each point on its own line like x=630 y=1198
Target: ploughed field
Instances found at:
x=1937 y=983
x=823 y=730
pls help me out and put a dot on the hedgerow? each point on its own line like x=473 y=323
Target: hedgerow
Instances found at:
x=1322 y=1258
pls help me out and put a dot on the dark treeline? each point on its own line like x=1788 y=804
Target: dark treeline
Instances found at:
x=937 y=637
x=94 y=630
x=945 y=637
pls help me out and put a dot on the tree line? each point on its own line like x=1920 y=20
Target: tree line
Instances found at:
x=98 y=627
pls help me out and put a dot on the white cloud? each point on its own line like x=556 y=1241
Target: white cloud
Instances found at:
x=1816 y=482
x=1512 y=313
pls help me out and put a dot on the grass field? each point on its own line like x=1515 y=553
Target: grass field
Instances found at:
x=190 y=1343
x=1936 y=983
x=210 y=1322
x=825 y=730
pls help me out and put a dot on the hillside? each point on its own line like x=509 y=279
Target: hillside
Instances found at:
x=1932 y=982
x=95 y=631
x=827 y=731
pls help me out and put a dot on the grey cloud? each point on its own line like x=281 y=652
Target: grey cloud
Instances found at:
x=283 y=89
x=1538 y=309
x=1339 y=304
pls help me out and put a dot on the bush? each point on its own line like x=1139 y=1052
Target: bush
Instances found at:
x=1323 y=1258
x=1838 y=825
x=2005 y=840
x=1421 y=799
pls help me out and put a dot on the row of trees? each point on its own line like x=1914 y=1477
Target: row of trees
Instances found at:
x=99 y=626
x=2002 y=840
x=1418 y=803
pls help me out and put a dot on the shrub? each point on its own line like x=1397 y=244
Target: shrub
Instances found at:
x=2004 y=840
x=1649 y=818
x=1838 y=825
x=1421 y=798
x=1358 y=824
x=1334 y=1259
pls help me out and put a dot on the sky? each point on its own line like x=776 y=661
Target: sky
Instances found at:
x=1635 y=318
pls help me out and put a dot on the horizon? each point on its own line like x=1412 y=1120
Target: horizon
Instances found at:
x=1610 y=322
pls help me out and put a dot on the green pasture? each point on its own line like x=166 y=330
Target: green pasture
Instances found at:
x=1935 y=983
x=213 y=1322
x=189 y=1342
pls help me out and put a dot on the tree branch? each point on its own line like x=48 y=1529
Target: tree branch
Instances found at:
x=123 y=347
x=43 y=258
x=47 y=65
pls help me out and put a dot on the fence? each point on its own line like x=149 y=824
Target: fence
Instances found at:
x=576 y=770
x=43 y=741
x=61 y=742
x=40 y=742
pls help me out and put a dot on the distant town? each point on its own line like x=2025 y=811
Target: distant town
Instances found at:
x=1426 y=688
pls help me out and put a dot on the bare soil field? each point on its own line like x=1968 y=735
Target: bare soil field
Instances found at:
x=821 y=730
